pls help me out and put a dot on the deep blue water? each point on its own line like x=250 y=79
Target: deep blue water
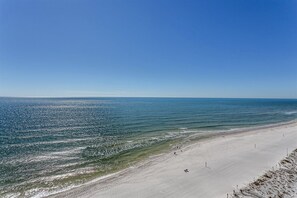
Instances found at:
x=43 y=141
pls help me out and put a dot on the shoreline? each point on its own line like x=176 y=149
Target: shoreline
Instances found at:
x=102 y=186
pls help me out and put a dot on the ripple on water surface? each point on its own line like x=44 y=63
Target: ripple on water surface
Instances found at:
x=49 y=145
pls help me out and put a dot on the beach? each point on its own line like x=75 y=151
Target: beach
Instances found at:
x=53 y=145
x=148 y=99
x=216 y=166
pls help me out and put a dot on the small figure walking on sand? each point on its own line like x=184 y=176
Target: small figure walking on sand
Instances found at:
x=186 y=170
x=174 y=153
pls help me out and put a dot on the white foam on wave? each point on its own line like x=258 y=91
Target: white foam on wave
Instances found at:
x=47 y=142
x=58 y=155
x=57 y=129
x=290 y=112
x=65 y=141
x=12 y=195
x=44 y=192
x=76 y=172
x=189 y=131
x=183 y=128
x=63 y=155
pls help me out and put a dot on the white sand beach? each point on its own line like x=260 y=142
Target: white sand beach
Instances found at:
x=216 y=166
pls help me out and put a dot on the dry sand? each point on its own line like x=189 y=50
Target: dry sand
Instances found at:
x=279 y=182
x=233 y=162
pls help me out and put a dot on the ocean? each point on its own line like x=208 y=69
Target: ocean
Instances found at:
x=52 y=144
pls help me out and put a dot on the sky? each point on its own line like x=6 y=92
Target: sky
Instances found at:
x=148 y=48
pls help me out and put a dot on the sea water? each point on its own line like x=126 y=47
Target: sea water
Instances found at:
x=51 y=144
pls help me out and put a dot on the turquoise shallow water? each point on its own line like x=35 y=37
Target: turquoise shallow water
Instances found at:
x=49 y=144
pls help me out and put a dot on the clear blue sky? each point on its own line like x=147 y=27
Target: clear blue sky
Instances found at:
x=199 y=48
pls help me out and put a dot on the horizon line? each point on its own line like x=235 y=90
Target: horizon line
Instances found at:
x=177 y=97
